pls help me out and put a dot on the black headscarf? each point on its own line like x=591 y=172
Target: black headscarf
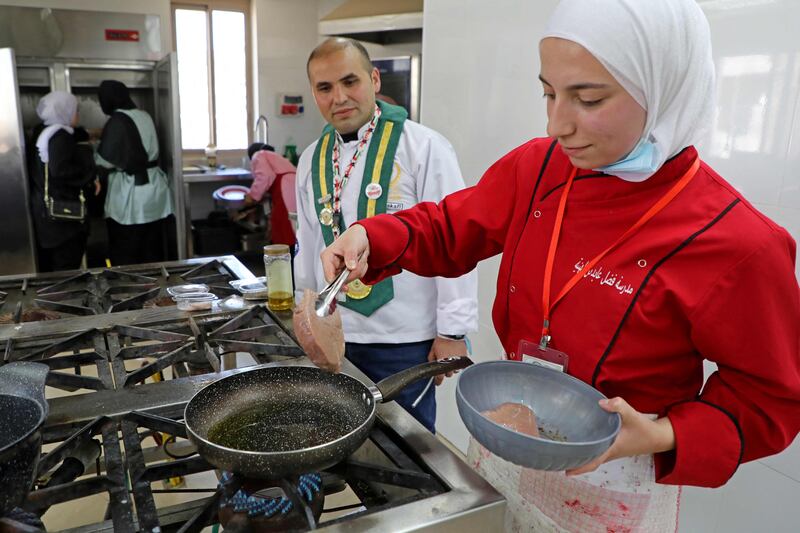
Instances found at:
x=257 y=147
x=114 y=95
x=121 y=142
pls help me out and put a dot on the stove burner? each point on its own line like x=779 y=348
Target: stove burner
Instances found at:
x=18 y=518
x=262 y=506
x=308 y=485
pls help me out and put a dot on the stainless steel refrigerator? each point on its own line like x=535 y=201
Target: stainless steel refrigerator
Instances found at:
x=74 y=51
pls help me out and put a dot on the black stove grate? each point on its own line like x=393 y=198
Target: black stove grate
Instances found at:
x=50 y=297
x=188 y=345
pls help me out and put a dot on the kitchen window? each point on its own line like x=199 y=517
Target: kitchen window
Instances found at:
x=212 y=40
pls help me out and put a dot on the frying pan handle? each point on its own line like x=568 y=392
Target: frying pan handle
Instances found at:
x=391 y=386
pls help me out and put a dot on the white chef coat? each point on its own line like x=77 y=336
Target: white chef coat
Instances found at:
x=425 y=170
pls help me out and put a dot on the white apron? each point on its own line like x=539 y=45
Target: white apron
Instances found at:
x=619 y=497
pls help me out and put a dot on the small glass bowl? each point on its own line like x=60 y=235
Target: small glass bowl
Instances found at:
x=189 y=288
x=195 y=301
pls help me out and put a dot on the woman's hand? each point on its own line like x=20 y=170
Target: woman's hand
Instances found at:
x=351 y=249
x=97 y=187
x=639 y=435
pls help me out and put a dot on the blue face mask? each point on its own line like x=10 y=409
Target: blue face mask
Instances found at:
x=640 y=164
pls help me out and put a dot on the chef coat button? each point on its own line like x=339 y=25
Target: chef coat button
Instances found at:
x=537 y=214
x=642 y=263
x=512 y=289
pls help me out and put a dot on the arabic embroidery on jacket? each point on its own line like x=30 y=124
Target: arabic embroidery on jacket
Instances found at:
x=606 y=278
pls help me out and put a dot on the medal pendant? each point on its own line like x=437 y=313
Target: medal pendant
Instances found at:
x=326 y=216
x=358 y=290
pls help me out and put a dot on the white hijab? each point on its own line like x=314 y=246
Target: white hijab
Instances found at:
x=56 y=110
x=660 y=52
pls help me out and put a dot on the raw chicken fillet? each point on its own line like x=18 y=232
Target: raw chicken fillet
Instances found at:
x=321 y=338
x=514 y=416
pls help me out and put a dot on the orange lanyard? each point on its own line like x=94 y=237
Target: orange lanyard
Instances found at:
x=547 y=305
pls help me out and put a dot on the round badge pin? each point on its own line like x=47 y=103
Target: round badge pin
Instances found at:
x=374 y=191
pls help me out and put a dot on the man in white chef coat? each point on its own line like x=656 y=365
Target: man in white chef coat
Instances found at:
x=370 y=159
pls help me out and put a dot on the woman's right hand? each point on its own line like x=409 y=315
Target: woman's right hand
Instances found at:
x=351 y=249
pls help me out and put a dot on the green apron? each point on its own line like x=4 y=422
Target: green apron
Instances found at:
x=377 y=171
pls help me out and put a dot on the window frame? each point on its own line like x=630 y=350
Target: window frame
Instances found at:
x=207 y=6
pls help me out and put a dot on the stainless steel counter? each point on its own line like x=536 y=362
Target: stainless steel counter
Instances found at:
x=217 y=175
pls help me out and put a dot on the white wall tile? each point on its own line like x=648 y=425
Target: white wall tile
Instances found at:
x=758 y=76
x=790 y=187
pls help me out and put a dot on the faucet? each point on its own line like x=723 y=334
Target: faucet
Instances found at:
x=257 y=137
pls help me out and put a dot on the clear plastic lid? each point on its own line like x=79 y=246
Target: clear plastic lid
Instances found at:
x=189 y=288
x=248 y=286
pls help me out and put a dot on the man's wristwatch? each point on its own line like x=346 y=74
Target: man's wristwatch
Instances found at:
x=452 y=337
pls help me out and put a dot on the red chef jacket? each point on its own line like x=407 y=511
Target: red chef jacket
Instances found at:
x=709 y=277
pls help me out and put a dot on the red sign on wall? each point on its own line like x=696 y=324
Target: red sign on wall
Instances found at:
x=122 y=35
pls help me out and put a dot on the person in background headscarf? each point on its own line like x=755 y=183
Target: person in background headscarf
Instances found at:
x=624 y=250
x=274 y=173
x=60 y=146
x=138 y=199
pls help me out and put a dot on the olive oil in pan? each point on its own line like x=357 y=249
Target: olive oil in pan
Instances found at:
x=281 y=426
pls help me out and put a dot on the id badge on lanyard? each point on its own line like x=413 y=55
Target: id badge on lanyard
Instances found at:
x=533 y=353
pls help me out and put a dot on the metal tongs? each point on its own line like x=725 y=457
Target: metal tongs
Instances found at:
x=326 y=300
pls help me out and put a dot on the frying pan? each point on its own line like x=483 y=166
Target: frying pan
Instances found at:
x=275 y=422
x=23 y=410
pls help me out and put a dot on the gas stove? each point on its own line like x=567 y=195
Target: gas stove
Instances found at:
x=117 y=387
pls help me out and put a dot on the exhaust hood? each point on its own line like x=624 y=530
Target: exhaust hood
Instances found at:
x=380 y=21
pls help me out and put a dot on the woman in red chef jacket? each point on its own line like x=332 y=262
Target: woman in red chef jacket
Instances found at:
x=624 y=250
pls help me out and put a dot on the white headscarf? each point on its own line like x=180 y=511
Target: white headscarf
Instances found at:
x=56 y=110
x=660 y=52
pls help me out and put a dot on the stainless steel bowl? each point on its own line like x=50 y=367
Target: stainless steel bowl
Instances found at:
x=562 y=404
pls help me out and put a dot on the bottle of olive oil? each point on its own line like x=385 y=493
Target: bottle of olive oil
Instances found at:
x=278 y=266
